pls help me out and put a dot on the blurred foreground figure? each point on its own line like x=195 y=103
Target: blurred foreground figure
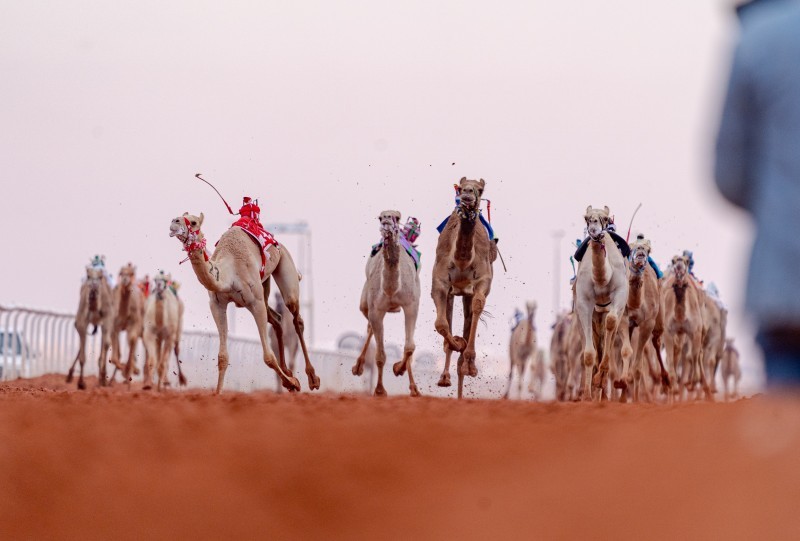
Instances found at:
x=758 y=169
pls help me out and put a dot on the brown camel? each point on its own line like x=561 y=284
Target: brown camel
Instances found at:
x=463 y=268
x=128 y=316
x=392 y=284
x=730 y=369
x=601 y=293
x=521 y=347
x=643 y=311
x=96 y=308
x=683 y=324
x=163 y=320
x=233 y=273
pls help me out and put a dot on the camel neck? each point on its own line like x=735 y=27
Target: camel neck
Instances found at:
x=391 y=265
x=679 y=287
x=464 y=241
x=529 y=331
x=124 y=300
x=207 y=272
x=391 y=250
x=636 y=284
x=599 y=260
x=159 y=312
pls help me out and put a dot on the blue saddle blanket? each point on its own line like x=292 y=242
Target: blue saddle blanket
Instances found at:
x=486 y=224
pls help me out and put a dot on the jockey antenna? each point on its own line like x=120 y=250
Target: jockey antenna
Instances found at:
x=630 y=225
x=219 y=194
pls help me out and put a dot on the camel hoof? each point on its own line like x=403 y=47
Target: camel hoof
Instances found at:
x=69 y=377
x=444 y=381
x=472 y=370
x=414 y=392
x=620 y=384
x=358 y=369
x=147 y=387
x=460 y=344
x=380 y=391
x=293 y=384
x=399 y=368
x=313 y=381
x=81 y=385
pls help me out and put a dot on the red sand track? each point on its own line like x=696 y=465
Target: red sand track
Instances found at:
x=115 y=464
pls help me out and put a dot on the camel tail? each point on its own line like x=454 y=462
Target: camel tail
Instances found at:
x=181 y=378
x=94 y=331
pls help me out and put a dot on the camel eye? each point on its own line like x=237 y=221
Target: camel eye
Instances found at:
x=194 y=223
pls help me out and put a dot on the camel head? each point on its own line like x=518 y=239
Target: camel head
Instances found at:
x=596 y=221
x=389 y=220
x=469 y=194
x=127 y=276
x=640 y=251
x=184 y=226
x=680 y=266
x=94 y=277
x=160 y=284
x=531 y=306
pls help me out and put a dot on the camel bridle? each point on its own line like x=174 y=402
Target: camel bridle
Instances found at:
x=193 y=241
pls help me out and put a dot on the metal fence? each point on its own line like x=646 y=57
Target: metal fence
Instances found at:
x=38 y=342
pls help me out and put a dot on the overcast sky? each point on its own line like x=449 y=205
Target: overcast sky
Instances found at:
x=330 y=112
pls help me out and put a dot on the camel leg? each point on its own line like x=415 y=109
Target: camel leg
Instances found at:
x=133 y=338
x=410 y=314
x=116 y=353
x=274 y=320
x=699 y=363
x=105 y=346
x=152 y=351
x=163 y=361
x=260 y=314
x=444 y=379
x=376 y=322
x=463 y=363
x=440 y=293
x=288 y=281
x=358 y=368
x=460 y=372
x=79 y=358
x=477 y=302
x=220 y=315
x=510 y=378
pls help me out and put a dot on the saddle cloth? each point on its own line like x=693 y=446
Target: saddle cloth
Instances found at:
x=260 y=236
x=410 y=249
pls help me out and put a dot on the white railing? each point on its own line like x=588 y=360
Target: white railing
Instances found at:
x=37 y=342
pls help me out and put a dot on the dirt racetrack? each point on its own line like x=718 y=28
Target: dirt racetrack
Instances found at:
x=113 y=464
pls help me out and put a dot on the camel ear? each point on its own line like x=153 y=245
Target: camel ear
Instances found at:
x=463 y=179
x=200 y=220
x=482 y=183
x=588 y=210
x=608 y=210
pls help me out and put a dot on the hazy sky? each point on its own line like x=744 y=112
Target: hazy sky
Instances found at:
x=333 y=111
